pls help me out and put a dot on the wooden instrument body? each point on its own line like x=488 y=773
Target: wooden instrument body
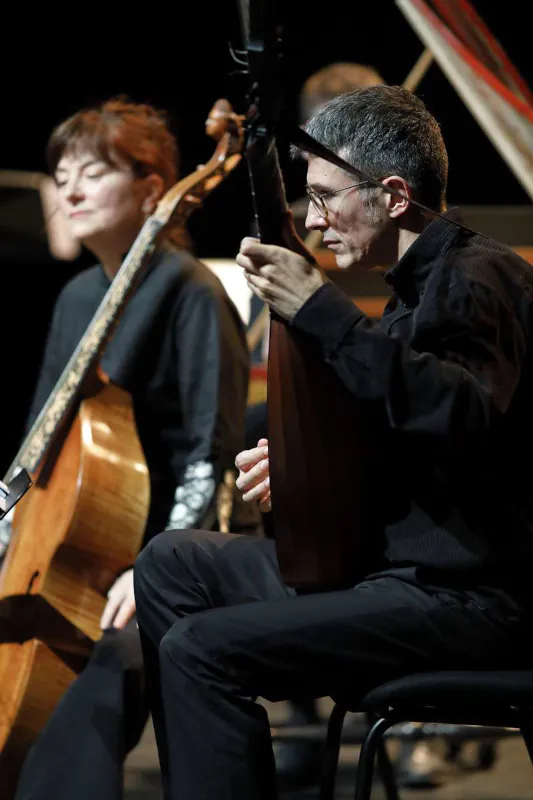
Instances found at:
x=80 y=526
x=317 y=432
x=320 y=458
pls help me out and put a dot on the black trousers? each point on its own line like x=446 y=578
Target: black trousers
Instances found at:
x=100 y=718
x=219 y=629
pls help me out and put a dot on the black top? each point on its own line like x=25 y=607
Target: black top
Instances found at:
x=448 y=373
x=180 y=351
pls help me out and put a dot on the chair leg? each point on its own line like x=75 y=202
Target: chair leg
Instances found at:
x=365 y=767
x=331 y=756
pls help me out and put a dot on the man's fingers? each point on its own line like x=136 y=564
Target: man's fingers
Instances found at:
x=254 y=290
x=248 y=479
x=265 y=503
x=248 y=458
x=258 y=491
x=248 y=240
x=261 y=253
x=247 y=264
x=259 y=282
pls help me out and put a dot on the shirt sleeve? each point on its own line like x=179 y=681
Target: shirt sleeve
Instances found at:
x=457 y=373
x=202 y=343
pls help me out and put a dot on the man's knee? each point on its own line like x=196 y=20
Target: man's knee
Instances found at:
x=158 y=550
x=171 y=546
x=157 y=558
x=193 y=641
x=176 y=555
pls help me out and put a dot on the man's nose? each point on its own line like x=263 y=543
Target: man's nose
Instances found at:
x=315 y=221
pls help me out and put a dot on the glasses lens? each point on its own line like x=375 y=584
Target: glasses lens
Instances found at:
x=317 y=202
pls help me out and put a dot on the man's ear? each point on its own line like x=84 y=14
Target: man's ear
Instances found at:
x=396 y=206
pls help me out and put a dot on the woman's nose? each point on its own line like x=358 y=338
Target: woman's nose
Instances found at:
x=74 y=191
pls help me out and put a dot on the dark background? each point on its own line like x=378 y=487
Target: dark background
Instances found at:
x=177 y=58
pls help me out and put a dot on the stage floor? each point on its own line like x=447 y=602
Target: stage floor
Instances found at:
x=511 y=778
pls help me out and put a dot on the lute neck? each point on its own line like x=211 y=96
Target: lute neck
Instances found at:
x=273 y=216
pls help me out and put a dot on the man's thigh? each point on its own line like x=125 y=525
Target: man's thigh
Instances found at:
x=322 y=644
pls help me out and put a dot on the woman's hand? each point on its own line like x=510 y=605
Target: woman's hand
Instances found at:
x=120 y=606
x=254 y=477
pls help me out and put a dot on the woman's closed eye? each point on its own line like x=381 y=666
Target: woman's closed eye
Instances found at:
x=99 y=173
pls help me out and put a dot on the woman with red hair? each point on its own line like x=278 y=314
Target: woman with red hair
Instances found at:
x=180 y=351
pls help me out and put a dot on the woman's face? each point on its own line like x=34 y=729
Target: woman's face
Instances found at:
x=104 y=204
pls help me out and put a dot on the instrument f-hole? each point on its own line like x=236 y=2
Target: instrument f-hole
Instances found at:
x=32 y=581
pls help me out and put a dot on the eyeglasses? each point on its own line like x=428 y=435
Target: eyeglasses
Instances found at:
x=318 y=199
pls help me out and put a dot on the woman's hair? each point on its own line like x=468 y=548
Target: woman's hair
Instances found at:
x=135 y=132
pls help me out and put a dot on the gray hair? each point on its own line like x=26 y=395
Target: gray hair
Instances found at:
x=386 y=130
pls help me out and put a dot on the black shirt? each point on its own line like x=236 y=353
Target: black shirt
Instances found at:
x=180 y=351
x=448 y=372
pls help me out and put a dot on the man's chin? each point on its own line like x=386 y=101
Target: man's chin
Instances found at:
x=354 y=261
x=346 y=261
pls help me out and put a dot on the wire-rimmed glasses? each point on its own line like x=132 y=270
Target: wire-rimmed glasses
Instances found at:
x=318 y=199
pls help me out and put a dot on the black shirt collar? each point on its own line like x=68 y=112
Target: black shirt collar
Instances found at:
x=410 y=273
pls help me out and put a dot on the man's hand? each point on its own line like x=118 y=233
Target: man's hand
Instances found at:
x=120 y=606
x=279 y=277
x=254 y=480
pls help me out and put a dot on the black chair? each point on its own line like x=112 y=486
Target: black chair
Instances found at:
x=332 y=750
x=497 y=699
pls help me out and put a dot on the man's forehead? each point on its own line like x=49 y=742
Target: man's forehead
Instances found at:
x=324 y=174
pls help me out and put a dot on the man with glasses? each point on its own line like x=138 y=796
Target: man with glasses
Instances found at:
x=447 y=373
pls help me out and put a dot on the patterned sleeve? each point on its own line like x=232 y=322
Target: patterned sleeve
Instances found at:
x=193 y=497
x=211 y=367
